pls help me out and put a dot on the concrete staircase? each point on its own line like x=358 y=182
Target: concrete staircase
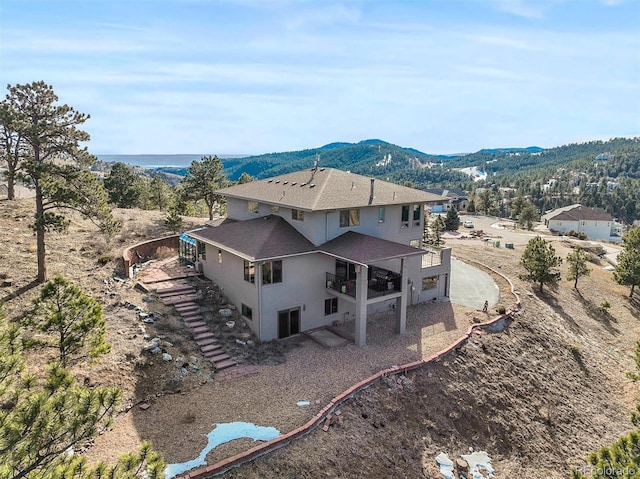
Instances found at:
x=182 y=297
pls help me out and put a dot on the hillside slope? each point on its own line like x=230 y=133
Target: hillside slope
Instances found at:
x=537 y=397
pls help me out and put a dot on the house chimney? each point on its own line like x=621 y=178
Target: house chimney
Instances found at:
x=372 y=193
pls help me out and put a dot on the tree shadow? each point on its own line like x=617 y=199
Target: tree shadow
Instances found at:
x=20 y=291
x=598 y=313
x=549 y=298
x=633 y=306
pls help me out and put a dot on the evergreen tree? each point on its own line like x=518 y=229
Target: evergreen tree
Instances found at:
x=12 y=147
x=160 y=194
x=124 y=187
x=528 y=215
x=203 y=178
x=437 y=228
x=471 y=206
x=452 y=220
x=42 y=422
x=73 y=319
x=53 y=164
x=627 y=272
x=577 y=263
x=539 y=259
x=173 y=221
x=426 y=233
x=245 y=178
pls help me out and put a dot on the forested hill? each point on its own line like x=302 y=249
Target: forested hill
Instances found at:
x=374 y=157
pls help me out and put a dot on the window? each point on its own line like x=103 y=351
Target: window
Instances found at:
x=404 y=220
x=252 y=206
x=414 y=243
x=249 y=271
x=349 y=218
x=416 y=215
x=297 y=215
x=429 y=283
x=272 y=272
x=202 y=250
x=330 y=306
x=381 y=212
x=275 y=209
x=219 y=256
x=247 y=312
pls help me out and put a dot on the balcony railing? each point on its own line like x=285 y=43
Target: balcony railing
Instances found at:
x=375 y=288
x=341 y=285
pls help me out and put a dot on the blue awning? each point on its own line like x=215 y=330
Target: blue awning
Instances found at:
x=187 y=239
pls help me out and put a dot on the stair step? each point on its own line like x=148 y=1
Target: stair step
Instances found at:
x=204 y=336
x=225 y=364
x=210 y=347
x=186 y=307
x=193 y=314
x=206 y=342
x=176 y=292
x=200 y=329
x=197 y=324
x=190 y=319
x=174 y=300
x=217 y=356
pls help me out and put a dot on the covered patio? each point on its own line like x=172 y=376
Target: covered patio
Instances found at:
x=361 y=280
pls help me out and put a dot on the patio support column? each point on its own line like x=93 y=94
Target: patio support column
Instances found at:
x=361 y=306
x=401 y=302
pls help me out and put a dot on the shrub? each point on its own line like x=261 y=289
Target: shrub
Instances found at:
x=501 y=310
x=605 y=306
x=104 y=260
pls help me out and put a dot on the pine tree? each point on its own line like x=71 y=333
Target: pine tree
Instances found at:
x=437 y=227
x=627 y=272
x=173 y=221
x=577 y=263
x=539 y=259
x=452 y=220
x=72 y=320
x=53 y=163
x=203 y=178
x=42 y=422
x=123 y=186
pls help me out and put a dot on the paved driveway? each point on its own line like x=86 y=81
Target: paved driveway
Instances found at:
x=471 y=286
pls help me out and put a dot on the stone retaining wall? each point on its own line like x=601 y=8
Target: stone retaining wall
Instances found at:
x=141 y=252
x=220 y=467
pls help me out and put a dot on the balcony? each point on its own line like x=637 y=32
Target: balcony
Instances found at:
x=382 y=283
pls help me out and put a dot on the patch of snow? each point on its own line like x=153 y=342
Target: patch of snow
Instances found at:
x=479 y=461
x=221 y=434
x=446 y=465
x=302 y=403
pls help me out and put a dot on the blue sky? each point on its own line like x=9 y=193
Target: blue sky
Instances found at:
x=257 y=76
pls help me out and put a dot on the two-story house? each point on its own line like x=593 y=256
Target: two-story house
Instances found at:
x=320 y=246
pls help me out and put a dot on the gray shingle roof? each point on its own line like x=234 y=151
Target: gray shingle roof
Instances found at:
x=326 y=189
x=258 y=239
x=366 y=249
x=272 y=237
x=579 y=213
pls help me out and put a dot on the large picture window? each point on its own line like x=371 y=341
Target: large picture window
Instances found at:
x=349 y=218
x=202 y=250
x=429 y=283
x=272 y=272
x=253 y=206
x=249 y=271
x=297 y=215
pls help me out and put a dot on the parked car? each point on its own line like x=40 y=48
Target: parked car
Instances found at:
x=468 y=224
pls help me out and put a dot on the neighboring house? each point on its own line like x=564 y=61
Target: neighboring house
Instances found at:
x=319 y=247
x=596 y=223
x=453 y=198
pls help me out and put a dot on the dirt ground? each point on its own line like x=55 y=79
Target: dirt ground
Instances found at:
x=538 y=397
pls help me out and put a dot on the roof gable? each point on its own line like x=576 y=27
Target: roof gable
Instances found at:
x=326 y=189
x=257 y=239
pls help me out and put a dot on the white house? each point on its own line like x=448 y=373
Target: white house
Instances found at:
x=595 y=223
x=311 y=248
